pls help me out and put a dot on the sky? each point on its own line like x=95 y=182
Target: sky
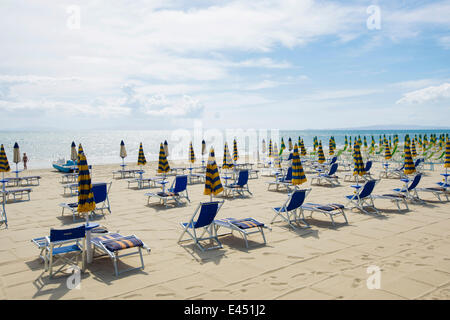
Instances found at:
x=167 y=64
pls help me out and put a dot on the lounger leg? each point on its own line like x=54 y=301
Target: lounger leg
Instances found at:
x=116 y=268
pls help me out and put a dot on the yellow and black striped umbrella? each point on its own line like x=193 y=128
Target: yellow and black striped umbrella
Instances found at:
x=320 y=153
x=330 y=147
x=358 y=168
x=227 y=163
x=141 y=158
x=409 y=163
x=413 y=148
x=80 y=150
x=447 y=154
x=163 y=164
x=191 y=154
x=276 y=155
x=4 y=164
x=270 y=148
x=86 y=201
x=235 y=151
x=73 y=152
x=302 y=148
x=387 y=150
x=298 y=175
x=213 y=185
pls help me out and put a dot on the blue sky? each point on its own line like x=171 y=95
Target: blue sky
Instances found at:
x=231 y=64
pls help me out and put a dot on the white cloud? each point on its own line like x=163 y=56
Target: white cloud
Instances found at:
x=429 y=94
x=444 y=42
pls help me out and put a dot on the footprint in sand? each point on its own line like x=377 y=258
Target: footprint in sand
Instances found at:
x=340 y=261
x=165 y=295
x=356 y=283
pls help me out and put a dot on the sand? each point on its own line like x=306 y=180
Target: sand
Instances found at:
x=411 y=248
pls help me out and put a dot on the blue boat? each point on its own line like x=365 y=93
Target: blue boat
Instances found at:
x=67 y=167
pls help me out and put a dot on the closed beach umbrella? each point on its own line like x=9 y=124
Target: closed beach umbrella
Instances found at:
x=302 y=148
x=290 y=144
x=80 y=150
x=163 y=164
x=263 y=146
x=203 y=147
x=191 y=153
x=213 y=185
x=227 y=162
x=321 y=158
x=141 y=157
x=276 y=156
x=73 y=152
x=123 y=153
x=387 y=150
x=86 y=201
x=166 y=148
x=298 y=175
x=282 y=146
x=16 y=157
x=413 y=148
x=235 y=151
x=315 y=143
x=16 y=154
x=409 y=163
x=4 y=164
x=447 y=155
x=358 y=168
x=330 y=147
x=270 y=148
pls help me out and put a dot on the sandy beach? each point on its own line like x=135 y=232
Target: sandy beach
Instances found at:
x=411 y=248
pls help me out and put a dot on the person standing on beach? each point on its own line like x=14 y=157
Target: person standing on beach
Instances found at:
x=25 y=160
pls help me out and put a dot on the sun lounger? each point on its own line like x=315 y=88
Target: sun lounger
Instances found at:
x=396 y=173
x=205 y=214
x=393 y=197
x=240 y=186
x=126 y=173
x=17 y=194
x=69 y=177
x=23 y=181
x=176 y=192
x=410 y=189
x=330 y=177
x=283 y=181
x=71 y=189
x=436 y=191
x=245 y=227
x=101 y=192
x=293 y=204
x=112 y=244
x=362 y=197
x=144 y=182
x=331 y=210
x=357 y=178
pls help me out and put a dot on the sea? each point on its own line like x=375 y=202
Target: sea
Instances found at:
x=103 y=147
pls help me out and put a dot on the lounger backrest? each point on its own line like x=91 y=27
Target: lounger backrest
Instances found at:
x=368 y=166
x=333 y=169
x=67 y=234
x=207 y=214
x=297 y=199
x=333 y=160
x=415 y=182
x=367 y=189
x=100 y=191
x=180 y=183
x=291 y=156
x=243 y=178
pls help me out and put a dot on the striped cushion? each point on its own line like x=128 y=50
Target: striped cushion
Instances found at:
x=167 y=194
x=246 y=223
x=394 y=195
x=326 y=207
x=119 y=244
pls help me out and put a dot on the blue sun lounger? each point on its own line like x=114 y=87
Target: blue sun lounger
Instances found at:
x=285 y=181
x=240 y=186
x=293 y=204
x=176 y=192
x=201 y=223
x=331 y=210
x=330 y=177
